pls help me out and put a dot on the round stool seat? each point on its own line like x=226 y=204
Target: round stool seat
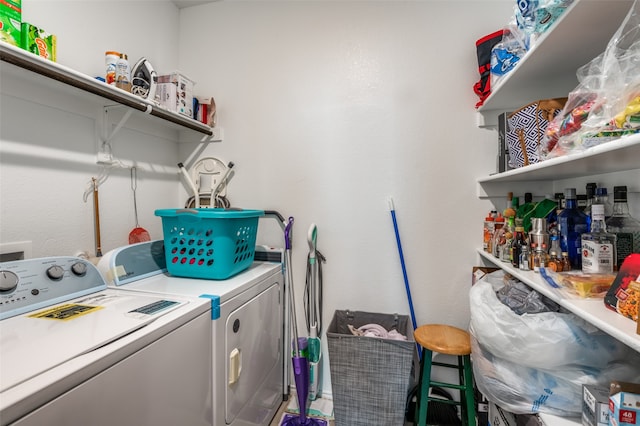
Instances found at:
x=444 y=339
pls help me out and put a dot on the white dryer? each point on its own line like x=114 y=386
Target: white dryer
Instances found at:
x=73 y=352
x=246 y=327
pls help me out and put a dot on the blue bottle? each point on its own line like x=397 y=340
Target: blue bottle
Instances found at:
x=572 y=223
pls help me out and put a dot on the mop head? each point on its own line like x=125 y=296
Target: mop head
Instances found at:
x=296 y=420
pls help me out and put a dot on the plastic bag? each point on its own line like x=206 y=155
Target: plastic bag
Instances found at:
x=525 y=390
x=534 y=17
x=538 y=362
x=606 y=103
x=548 y=340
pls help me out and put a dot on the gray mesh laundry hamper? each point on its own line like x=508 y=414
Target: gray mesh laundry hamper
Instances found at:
x=370 y=376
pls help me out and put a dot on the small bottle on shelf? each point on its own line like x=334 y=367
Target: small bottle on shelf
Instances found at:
x=498 y=235
x=566 y=263
x=505 y=248
x=518 y=243
x=598 y=246
x=523 y=262
x=555 y=263
x=489 y=228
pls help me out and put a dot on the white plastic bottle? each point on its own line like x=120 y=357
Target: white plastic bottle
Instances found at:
x=123 y=73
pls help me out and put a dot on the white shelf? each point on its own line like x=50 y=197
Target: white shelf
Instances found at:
x=591 y=310
x=614 y=156
x=548 y=70
x=22 y=60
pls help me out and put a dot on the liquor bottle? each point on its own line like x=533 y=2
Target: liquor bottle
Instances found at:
x=598 y=246
x=489 y=228
x=601 y=197
x=591 y=192
x=498 y=235
x=625 y=227
x=572 y=223
x=518 y=243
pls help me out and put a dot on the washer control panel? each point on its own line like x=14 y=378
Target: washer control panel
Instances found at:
x=26 y=285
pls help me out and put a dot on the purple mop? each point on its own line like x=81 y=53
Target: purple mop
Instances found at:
x=299 y=361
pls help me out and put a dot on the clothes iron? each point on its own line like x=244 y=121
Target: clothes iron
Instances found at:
x=144 y=79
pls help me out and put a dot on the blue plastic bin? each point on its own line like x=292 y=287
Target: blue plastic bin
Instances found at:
x=209 y=243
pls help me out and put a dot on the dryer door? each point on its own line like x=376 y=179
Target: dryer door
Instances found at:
x=254 y=359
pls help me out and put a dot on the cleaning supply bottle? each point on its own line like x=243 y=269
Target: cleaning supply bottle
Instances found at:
x=572 y=223
x=123 y=73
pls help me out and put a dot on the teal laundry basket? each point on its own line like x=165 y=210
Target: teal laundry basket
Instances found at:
x=209 y=243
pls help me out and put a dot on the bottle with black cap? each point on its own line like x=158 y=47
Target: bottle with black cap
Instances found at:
x=623 y=225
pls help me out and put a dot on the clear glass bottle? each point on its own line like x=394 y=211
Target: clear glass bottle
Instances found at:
x=505 y=248
x=498 y=235
x=572 y=223
x=523 y=263
x=598 y=246
x=591 y=192
x=601 y=197
x=625 y=227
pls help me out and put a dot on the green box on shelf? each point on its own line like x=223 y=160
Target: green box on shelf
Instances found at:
x=10 y=20
x=39 y=42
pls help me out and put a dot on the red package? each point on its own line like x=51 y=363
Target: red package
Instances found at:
x=621 y=297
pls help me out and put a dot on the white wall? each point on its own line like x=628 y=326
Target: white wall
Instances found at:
x=49 y=135
x=329 y=109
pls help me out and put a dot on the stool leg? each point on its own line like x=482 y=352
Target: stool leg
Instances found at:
x=425 y=381
x=468 y=392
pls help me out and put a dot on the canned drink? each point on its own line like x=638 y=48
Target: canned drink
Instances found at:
x=111 y=58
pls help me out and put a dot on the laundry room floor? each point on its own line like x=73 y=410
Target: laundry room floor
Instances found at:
x=283 y=407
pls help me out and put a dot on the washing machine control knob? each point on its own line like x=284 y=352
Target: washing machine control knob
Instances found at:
x=55 y=272
x=8 y=281
x=79 y=269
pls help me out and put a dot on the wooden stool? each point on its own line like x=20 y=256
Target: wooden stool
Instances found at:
x=448 y=340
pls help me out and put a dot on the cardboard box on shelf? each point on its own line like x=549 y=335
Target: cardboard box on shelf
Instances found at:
x=595 y=405
x=38 y=41
x=10 y=21
x=178 y=98
x=624 y=404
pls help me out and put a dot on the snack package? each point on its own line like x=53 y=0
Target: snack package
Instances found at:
x=624 y=295
x=607 y=97
x=583 y=285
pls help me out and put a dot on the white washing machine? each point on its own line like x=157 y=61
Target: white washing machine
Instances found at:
x=246 y=327
x=73 y=352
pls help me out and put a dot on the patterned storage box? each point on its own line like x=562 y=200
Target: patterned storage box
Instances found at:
x=526 y=128
x=370 y=376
